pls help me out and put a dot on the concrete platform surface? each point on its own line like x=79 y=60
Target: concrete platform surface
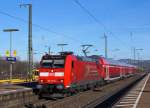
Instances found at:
x=9 y=88
x=144 y=101
x=14 y=96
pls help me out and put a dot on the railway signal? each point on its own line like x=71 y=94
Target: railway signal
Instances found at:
x=10 y=58
x=15 y=53
x=7 y=53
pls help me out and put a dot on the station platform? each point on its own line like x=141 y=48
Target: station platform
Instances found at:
x=15 y=96
x=15 y=81
x=10 y=88
x=144 y=99
x=19 y=82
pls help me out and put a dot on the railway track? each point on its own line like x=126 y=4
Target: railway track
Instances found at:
x=40 y=104
x=103 y=96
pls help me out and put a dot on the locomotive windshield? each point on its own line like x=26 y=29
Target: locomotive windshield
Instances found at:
x=53 y=63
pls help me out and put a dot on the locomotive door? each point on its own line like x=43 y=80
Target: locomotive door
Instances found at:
x=107 y=73
x=74 y=75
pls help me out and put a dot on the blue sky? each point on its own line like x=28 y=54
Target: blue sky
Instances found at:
x=75 y=27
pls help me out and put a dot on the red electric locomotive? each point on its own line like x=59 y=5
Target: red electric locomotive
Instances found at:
x=67 y=73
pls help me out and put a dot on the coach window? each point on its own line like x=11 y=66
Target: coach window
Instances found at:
x=97 y=63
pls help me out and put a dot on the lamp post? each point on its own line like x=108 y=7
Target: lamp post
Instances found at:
x=10 y=55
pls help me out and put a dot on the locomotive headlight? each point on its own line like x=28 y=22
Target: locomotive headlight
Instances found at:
x=44 y=74
x=59 y=73
x=49 y=80
x=41 y=81
x=61 y=80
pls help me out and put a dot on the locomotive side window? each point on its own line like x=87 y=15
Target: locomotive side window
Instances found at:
x=72 y=64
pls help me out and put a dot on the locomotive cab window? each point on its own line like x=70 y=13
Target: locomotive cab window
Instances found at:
x=58 y=63
x=46 y=63
x=53 y=63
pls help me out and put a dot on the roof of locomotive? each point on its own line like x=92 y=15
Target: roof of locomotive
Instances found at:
x=57 y=56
